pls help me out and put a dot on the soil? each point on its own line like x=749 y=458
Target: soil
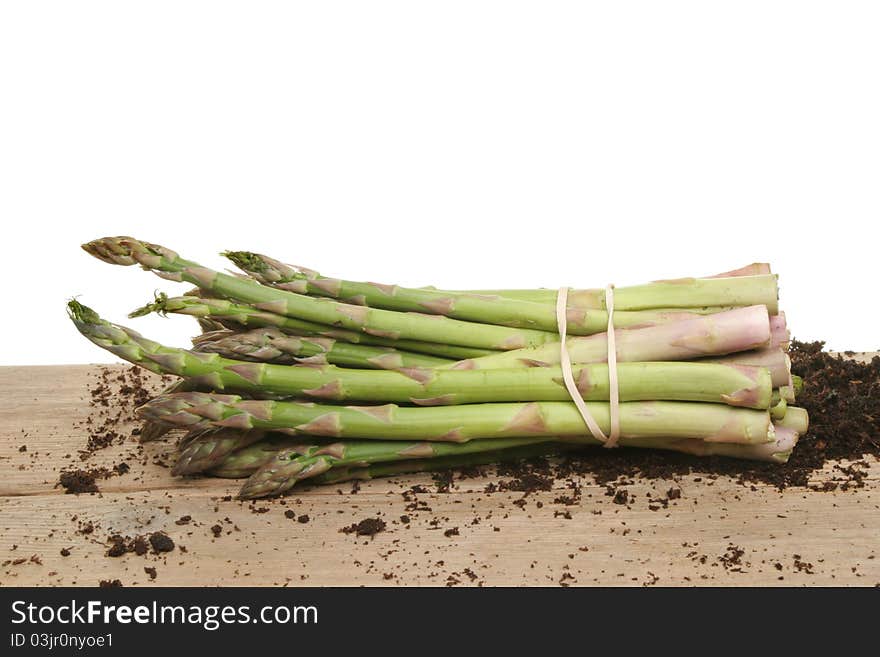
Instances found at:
x=78 y=481
x=367 y=527
x=161 y=542
x=139 y=545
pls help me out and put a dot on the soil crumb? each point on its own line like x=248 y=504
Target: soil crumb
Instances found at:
x=78 y=481
x=367 y=527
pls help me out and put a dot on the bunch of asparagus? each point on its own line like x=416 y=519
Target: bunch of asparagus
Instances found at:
x=298 y=376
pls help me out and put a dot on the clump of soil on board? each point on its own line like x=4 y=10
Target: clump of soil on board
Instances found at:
x=366 y=527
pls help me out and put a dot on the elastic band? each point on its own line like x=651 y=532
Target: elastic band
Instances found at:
x=565 y=363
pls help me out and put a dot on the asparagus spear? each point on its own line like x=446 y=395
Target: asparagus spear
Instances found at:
x=207 y=449
x=711 y=422
x=282 y=470
x=735 y=385
x=390 y=468
x=505 y=310
x=737 y=330
x=286 y=468
x=383 y=323
x=705 y=295
x=548 y=295
x=245 y=462
x=273 y=346
x=232 y=315
x=488 y=308
x=779 y=453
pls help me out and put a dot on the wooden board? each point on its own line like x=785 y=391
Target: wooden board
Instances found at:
x=795 y=537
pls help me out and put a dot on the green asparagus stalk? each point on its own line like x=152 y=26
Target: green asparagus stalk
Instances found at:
x=282 y=470
x=245 y=462
x=548 y=295
x=783 y=447
x=703 y=295
x=273 y=346
x=382 y=323
x=340 y=474
x=208 y=449
x=505 y=311
x=644 y=420
x=711 y=382
x=231 y=315
x=734 y=331
x=286 y=468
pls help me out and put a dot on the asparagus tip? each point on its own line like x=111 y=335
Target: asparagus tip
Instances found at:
x=81 y=313
x=245 y=260
x=114 y=250
x=159 y=305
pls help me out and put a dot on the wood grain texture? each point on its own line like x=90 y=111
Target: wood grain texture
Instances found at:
x=467 y=537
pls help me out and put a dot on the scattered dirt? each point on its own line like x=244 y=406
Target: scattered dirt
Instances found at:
x=139 y=545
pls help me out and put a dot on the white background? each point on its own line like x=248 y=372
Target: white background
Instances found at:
x=461 y=144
